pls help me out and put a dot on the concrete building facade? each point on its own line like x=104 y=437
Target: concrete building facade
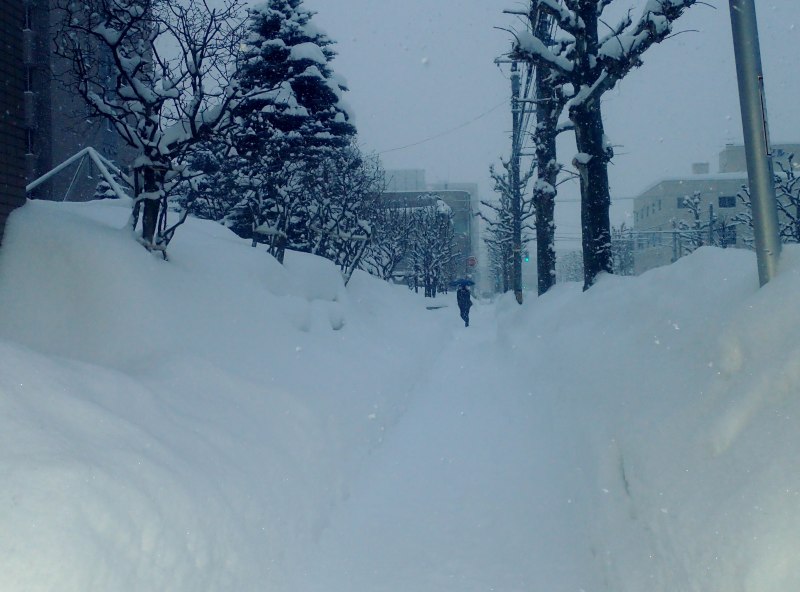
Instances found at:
x=409 y=187
x=56 y=119
x=12 y=129
x=405 y=180
x=659 y=209
x=460 y=204
x=467 y=207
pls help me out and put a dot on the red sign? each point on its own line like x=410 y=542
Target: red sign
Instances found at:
x=472 y=261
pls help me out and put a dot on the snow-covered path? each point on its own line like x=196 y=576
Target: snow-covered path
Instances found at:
x=266 y=427
x=454 y=499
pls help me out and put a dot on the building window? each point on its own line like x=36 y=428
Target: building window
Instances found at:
x=659 y=205
x=727 y=201
x=681 y=203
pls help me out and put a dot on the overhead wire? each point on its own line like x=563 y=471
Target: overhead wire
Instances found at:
x=531 y=93
x=447 y=131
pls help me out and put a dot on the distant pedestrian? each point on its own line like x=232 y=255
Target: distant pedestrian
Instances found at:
x=464 y=303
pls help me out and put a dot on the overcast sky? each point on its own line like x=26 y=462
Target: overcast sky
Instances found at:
x=419 y=69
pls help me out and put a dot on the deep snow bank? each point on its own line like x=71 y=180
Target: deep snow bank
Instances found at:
x=221 y=422
x=675 y=398
x=182 y=425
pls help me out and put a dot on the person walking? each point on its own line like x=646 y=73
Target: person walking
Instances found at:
x=464 y=303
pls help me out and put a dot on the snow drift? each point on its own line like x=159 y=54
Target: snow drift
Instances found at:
x=222 y=422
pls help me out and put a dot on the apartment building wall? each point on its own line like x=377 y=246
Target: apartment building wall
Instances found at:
x=405 y=180
x=460 y=203
x=56 y=118
x=407 y=185
x=659 y=209
x=12 y=130
x=732 y=157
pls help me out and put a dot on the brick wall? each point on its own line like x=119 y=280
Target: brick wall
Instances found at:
x=12 y=132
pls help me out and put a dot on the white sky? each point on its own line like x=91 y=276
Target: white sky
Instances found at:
x=419 y=68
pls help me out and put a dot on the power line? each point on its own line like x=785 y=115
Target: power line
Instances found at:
x=449 y=131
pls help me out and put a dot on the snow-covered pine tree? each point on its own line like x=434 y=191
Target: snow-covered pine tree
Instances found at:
x=293 y=117
x=103 y=190
x=210 y=192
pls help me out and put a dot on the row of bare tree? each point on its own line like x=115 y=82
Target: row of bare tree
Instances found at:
x=579 y=55
x=237 y=116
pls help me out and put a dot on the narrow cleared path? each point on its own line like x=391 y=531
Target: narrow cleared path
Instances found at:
x=451 y=500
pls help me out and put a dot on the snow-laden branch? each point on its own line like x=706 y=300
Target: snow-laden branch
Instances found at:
x=159 y=72
x=621 y=51
x=617 y=52
x=531 y=48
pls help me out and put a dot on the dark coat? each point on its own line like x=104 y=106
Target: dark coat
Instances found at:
x=463 y=299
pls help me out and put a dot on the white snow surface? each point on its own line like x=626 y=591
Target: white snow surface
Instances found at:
x=221 y=422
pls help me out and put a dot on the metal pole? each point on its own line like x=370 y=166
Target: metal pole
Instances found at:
x=711 y=224
x=756 y=137
x=674 y=241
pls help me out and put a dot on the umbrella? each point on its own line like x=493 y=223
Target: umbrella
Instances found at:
x=462 y=282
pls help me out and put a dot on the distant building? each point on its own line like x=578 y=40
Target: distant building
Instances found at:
x=468 y=208
x=405 y=180
x=12 y=130
x=408 y=188
x=56 y=122
x=460 y=204
x=659 y=209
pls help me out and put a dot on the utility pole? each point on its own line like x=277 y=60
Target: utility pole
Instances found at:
x=516 y=197
x=760 y=176
x=711 y=225
x=674 y=241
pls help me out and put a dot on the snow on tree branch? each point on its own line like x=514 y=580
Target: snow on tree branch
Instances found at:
x=160 y=72
x=531 y=48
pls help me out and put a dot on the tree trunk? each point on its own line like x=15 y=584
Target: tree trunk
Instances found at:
x=545 y=240
x=547 y=114
x=516 y=190
x=592 y=164
x=279 y=247
x=151 y=207
x=544 y=192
